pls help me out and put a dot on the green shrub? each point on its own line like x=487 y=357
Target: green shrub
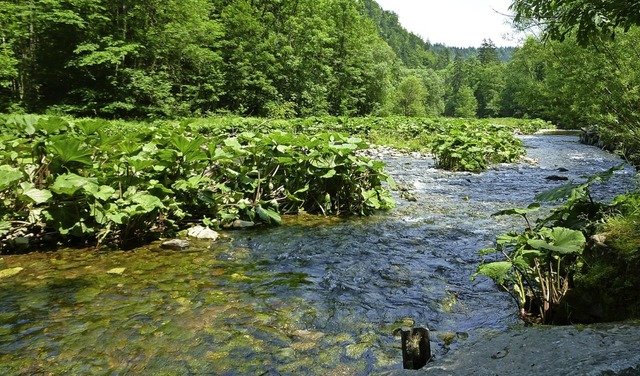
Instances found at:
x=473 y=146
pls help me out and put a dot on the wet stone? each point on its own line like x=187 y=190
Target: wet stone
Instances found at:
x=175 y=244
x=200 y=232
x=242 y=224
x=116 y=271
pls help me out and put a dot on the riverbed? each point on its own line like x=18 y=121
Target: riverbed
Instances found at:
x=316 y=296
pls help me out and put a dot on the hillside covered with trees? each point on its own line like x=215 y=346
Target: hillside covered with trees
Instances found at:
x=260 y=58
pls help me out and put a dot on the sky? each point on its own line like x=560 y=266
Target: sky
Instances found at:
x=455 y=23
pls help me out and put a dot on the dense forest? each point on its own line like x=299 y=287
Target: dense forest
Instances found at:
x=144 y=59
x=261 y=58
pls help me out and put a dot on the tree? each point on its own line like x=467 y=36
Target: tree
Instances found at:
x=435 y=91
x=410 y=97
x=464 y=103
x=589 y=19
x=489 y=80
x=525 y=91
x=489 y=88
x=577 y=86
x=36 y=37
x=488 y=53
x=460 y=100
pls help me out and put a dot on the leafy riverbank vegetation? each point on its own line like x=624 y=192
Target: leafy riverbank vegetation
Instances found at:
x=93 y=181
x=577 y=264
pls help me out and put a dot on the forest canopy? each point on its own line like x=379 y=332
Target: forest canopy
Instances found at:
x=144 y=59
x=299 y=58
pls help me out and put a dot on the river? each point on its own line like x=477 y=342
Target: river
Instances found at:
x=317 y=296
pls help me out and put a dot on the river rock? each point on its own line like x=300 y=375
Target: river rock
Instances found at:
x=600 y=240
x=242 y=224
x=116 y=271
x=175 y=244
x=556 y=178
x=200 y=232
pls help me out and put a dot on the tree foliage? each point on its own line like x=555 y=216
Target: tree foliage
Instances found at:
x=587 y=18
x=274 y=58
x=578 y=86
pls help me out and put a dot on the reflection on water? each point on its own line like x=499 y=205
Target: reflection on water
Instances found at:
x=317 y=296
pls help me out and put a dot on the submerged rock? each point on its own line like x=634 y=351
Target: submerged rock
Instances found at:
x=117 y=271
x=556 y=178
x=10 y=272
x=175 y=244
x=242 y=224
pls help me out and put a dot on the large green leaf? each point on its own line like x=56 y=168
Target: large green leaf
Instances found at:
x=38 y=196
x=531 y=208
x=67 y=220
x=559 y=193
x=139 y=163
x=5 y=228
x=26 y=122
x=91 y=126
x=103 y=192
x=69 y=149
x=370 y=198
x=69 y=184
x=9 y=177
x=562 y=241
x=52 y=125
x=191 y=150
x=498 y=271
x=331 y=173
x=146 y=201
x=129 y=147
x=107 y=142
x=167 y=156
x=268 y=215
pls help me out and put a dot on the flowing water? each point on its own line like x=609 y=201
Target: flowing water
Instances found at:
x=313 y=297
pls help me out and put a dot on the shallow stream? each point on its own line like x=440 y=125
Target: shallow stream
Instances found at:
x=315 y=297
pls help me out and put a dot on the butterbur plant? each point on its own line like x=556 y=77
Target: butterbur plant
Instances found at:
x=462 y=146
x=537 y=269
x=537 y=266
x=95 y=182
